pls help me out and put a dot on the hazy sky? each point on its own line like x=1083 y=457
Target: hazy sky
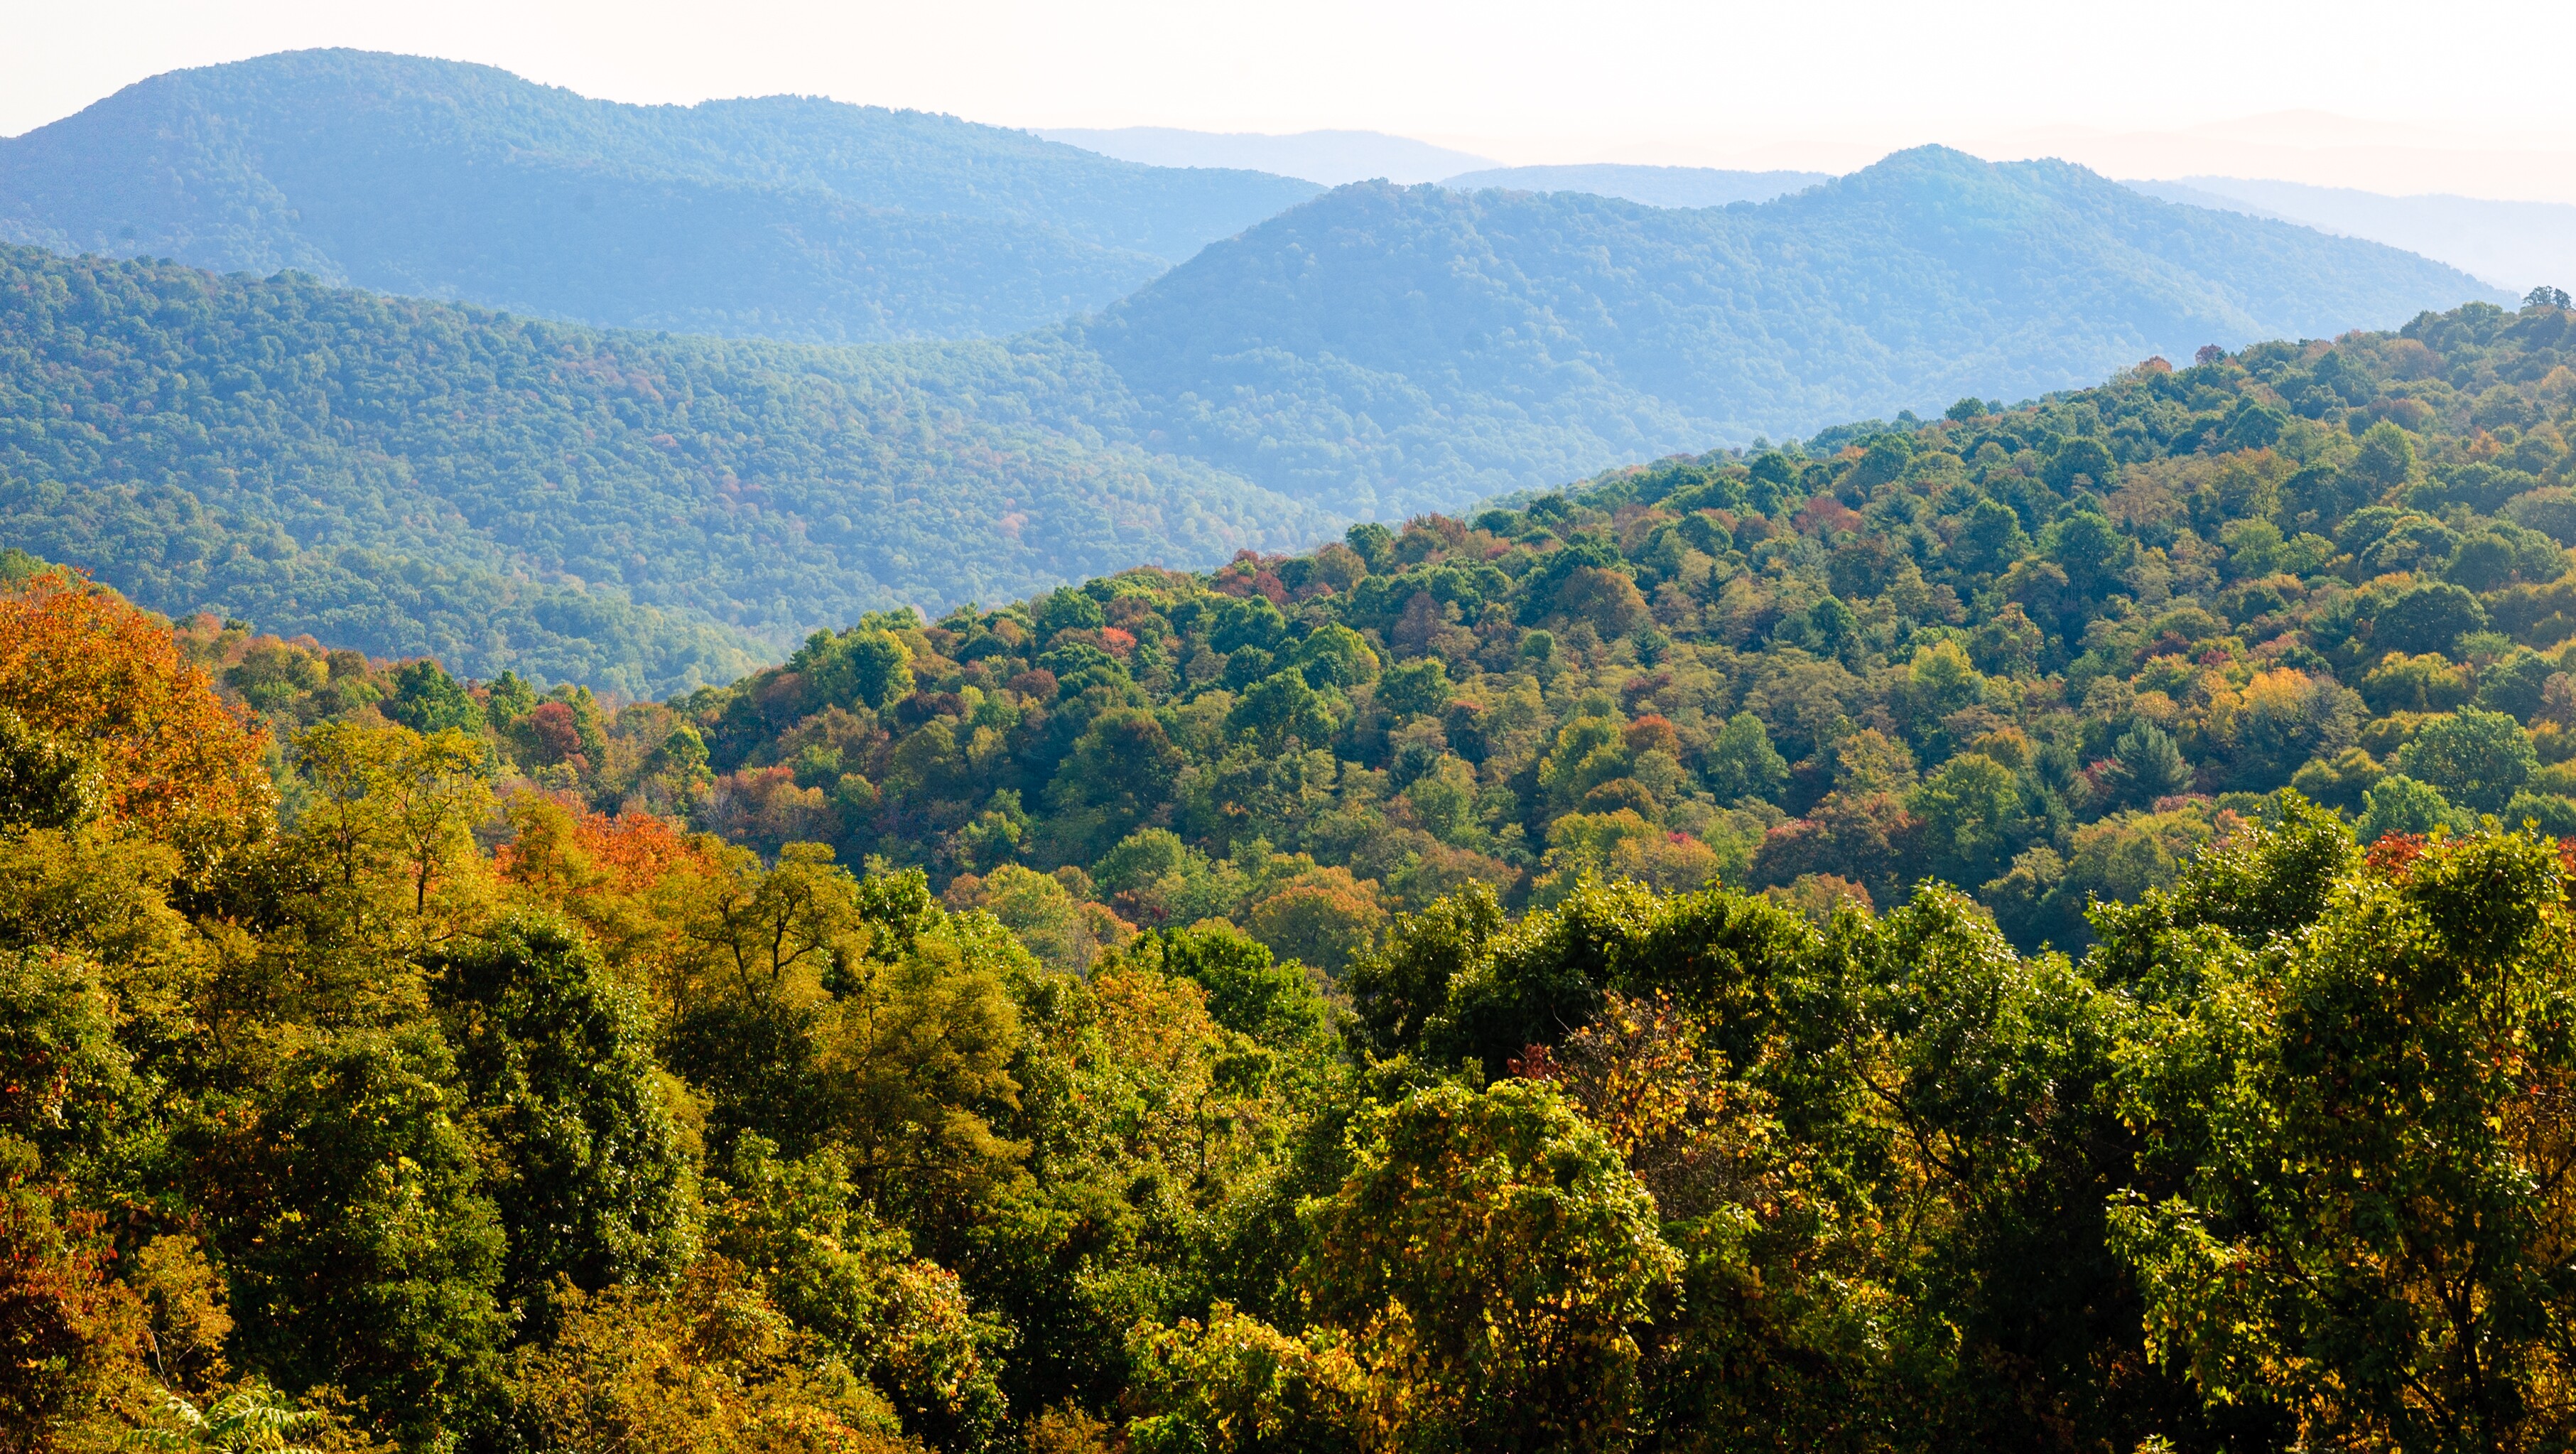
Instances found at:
x=2460 y=96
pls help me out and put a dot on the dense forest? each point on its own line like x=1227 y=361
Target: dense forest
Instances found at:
x=638 y=512
x=777 y=217
x=2039 y=654
x=2037 y=929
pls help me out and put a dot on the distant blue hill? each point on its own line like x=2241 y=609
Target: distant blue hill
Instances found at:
x=2515 y=245
x=1381 y=350
x=786 y=217
x=1654 y=186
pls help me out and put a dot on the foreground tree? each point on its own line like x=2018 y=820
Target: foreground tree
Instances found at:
x=2380 y=1118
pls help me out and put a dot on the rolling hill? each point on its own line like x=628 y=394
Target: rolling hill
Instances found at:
x=648 y=512
x=1383 y=350
x=782 y=216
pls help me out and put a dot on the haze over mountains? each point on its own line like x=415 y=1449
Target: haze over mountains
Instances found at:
x=648 y=511
x=2515 y=245
x=1329 y=158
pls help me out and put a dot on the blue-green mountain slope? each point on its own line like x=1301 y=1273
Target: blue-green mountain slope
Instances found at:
x=782 y=216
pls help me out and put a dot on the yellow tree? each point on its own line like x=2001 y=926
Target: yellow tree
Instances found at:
x=393 y=819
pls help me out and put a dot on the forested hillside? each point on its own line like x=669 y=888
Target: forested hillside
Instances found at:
x=1381 y=351
x=779 y=217
x=2038 y=654
x=1290 y=1008
x=636 y=512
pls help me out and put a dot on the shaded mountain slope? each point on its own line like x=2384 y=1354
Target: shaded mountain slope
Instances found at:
x=404 y=476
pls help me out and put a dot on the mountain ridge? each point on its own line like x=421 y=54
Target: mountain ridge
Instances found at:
x=270 y=448
x=1651 y=185
x=778 y=216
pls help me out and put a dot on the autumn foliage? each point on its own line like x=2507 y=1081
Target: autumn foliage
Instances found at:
x=82 y=666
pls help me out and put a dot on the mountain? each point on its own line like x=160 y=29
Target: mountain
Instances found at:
x=2515 y=245
x=634 y=511
x=1653 y=186
x=1329 y=158
x=783 y=216
x=1384 y=350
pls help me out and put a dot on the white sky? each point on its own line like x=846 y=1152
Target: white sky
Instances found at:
x=2463 y=96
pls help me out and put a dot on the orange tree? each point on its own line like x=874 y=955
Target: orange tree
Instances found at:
x=83 y=667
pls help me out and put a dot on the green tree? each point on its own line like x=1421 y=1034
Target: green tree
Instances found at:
x=2091 y=551
x=1415 y=689
x=2371 y=1237
x=1336 y=656
x=1374 y=544
x=1398 y=988
x=1492 y=1261
x=828 y=1263
x=1281 y=708
x=2431 y=617
x=1989 y=538
x=1121 y=770
x=556 y=1058
x=1740 y=762
x=427 y=700
x=2081 y=461
x=1248 y=991
x=862 y=667
x=363 y=1254
x=2401 y=804
x=2478 y=760
x=2386 y=460
x=2146 y=765
x=1965 y=810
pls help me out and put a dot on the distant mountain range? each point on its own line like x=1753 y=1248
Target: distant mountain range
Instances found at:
x=1330 y=158
x=782 y=217
x=648 y=511
x=2515 y=245
x=1654 y=186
